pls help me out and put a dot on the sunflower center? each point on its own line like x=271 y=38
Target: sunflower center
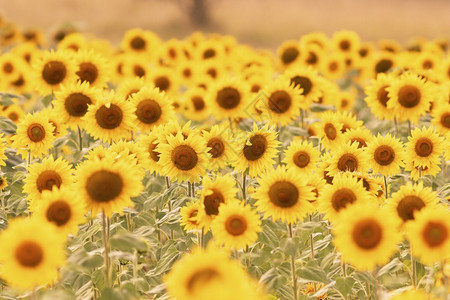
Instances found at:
x=360 y=141
x=29 y=254
x=303 y=83
x=59 y=212
x=47 y=179
x=382 y=95
x=36 y=132
x=445 y=120
x=301 y=159
x=217 y=147
x=257 y=147
x=212 y=72
x=407 y=206
x=435 y=233
x=184 y=157
x=209 y=53
x=383 y=66
x=330 y=131
x=289 y=55
x=192 y=217
x=367 y=234
x=139 y=71
x=333 y=66
x=236 y=225
x=77 y=104
x=409 y=96
x=384 y=155
x=153 y=154
x=347 y=162
x=172 y=53
x=138 y=43
x=162 y=82
x=187 y=73
x=104 y=186
x=228 y=98
x=424 y=147
x=198 y=102
x=8 y=67
x=344 y=45
x=13 y=116
x=54 y=72
x=19 y=82
x=87 y=72
x=109 y=118
x=148 y=111
x=201 y=278
x=328 y=178
x=312 y=58
x=283 y=194
x=255 y=88
x=341 y=198
x=279 y=102
x=212 y=202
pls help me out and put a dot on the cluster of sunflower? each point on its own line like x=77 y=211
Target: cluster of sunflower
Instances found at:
x=346 y=133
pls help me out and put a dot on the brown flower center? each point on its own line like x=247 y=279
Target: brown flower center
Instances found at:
x=301 y=159
x=109 y=118
x=8 y=67
x=217 y=147
x=139 y=71
x=201 y=278
x=87 y=72
x=162 y=82
x=148 y=111
x=303 y=83
x=330 y=131
x=47 y=179
x=279 y=102
x=212 y=72
x=360 y=141
x=184 y=157
x=384 y=155
x=187 y=73
x=138 y=43
x=407 y=206
x=198 y=102
x=257 y=147
x=409 y=96
x=76 y=104
x=255 y=88
x=348 y=162
x=151 y=149
x=228 y=98
x=59 y=212
x=344 y=45
x=283 y=194
x=424 y=147
x=341 y=198
x=289 y=55
x=328 y=178
x=367 y=234
x=212 y=202
x=383 y=66
x=435 y=233
x=445 y=120
x=104 y=186
x=333 y=66
x=236 y=225
x=54 y=72
x=36 y=132
x=19 y=82
x=209 y=53
x=382 y=95
x=29 y=254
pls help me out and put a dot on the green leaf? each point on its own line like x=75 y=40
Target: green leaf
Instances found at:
x=8 y=126
x=126 y=241
x=119 y=294
x=312 y=273
x=290 y=246
x=345 y=285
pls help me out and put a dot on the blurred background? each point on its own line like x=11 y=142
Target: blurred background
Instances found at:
x=261 y=23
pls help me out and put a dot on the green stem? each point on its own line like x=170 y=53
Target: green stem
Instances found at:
x=105 y=227
x=231 y=125
x=413 y=268
x=385 y=187
x=80 y=139
x=135 y=265
x=294 y=277
x=244 y=194
x=193 y=189
x=312 y=242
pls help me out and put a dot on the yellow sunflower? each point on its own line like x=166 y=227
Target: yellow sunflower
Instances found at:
x=228 y=99
x=73 y=42
x=165 y=79
x=3 y=183
x=379 y=63
x=189 y=216
x=140 y=41
x=333 y=66
x=317 y=182
x=32 y=252
x=109 y=119
x=34 y=136
x=417 y=172
x=360 y=136
x=410 y=199
x=307 y=83
x=236 y=225
x=366 y=235
x=195 y=105
x=441 y=119
x=14 y=112
x=150 y=142
x=107 y=185
x=26 y=51
x=53 y=69
x=344 y=192
x=9 y=67
x=61 y=208
x=377 y=96
x=183 y=159
x=348 y=157
x=133 y=151
x=429 y=234
x=330 y=129
x=217 y=191
x=152 y=108
x=129 y=86
x=284 y=195
x=257 y=150
x=301 y=156
x=386 y=154
x=348 y=120
x=222 y=147
x=92 y=68
x=345 y=41
x=59 y=129
x=346 y=100
x=288 y=53
x=424 y=147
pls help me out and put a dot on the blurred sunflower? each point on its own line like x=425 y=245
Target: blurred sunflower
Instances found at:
x=307 y=83
x=360 y=136
x=348 y=120
x=150 y=142
x=330 y=129
x=348 y=157
x=189 y=216
x=14 y=112
x=301 y=156
x=317 y=182
x=377 y=96
x=140 y=41
x=73 y=42
x=441 y=119
x=333 y=66
x=288 y=53
x=345 y=41
x=92 y=68
x=195 y=104
x=165 y=79
x=132 y=151
x=386 y=154
x=222 y=151
x=228 y=99
x=129 y=86
x=417 y=172
x=424 y=147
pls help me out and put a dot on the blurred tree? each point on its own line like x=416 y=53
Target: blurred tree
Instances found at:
x=198 y=11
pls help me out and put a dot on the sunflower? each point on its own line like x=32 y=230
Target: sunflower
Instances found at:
x=236 y=226
x=46 y=175
x=288 y=53
x=348 y=120
x=409 y=97
x=306 y=81
x=284 y=195
x=228 y=99
x=371 y=184
x=165 y=79
x=3 y=183
x=386 y=154
x=330 y=129
x=348 y=157
x=9 y=67
x=14 y=112
x=172 y=52
x=217 y=191
x=59 y=129
x=172 y=128
x=73 y=42
x=188 y=71
x=417 y=172
x=135 y=66
x=377 y=96
x=31 y=253
x=344 y=192
x=92 y=68
x=282 y=101
x=329 y=92
x=212 y=69
x=61 y=208
x=429 y=234
x=333 y=66
x=34 y=36
x=140 y=41
x=257 y=151
x=301 y=156
x=218 y=139
x=133 y=151
x=317 y=182
x=441 y=119
x=26 y=51
x=379 y=63
x=183 y=159
x=345 y=41
x=366 y=235
x=410 y=199
x=317 y=38
x=109 y=119
x=425 y=147
x=150 y=142
x=107 y=185
x=152 y=108
x=312 y=55
x=3 y=148
x=195 y=104
x=209 y=49
x=33 y=136
x=360 y=136
x=188 y=216
x=53 y=69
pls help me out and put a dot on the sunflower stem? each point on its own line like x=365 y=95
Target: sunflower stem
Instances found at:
x=244 y=195
x=445 y=278
x=202 y=244
x=409 y=128
x=396 y=126
x=135 y=264
x=312 y=243
x=302 y=118
x=170 y=210
x=189 y=189
x=105 y=226
x=413 y=268
x=294 y=277
x=344 y=267
x=385 y=187
x=80 y=139
x=28 y=158
x=231 y=126
x=193 y=189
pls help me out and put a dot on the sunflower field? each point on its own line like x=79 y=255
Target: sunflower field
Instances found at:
x=202 y=168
